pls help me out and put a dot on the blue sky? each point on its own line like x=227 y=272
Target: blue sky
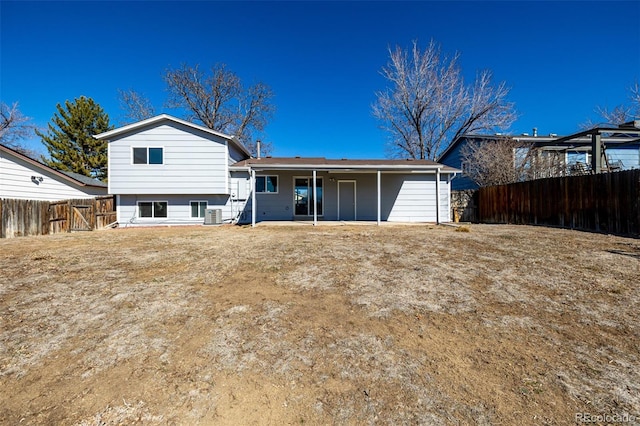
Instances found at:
x=322 y=59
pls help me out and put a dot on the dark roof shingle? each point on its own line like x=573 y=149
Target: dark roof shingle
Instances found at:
x=338 y=163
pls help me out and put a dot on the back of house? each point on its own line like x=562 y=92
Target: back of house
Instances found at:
x=167 y=171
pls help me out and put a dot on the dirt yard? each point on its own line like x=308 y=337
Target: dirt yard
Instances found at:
x=501 y=325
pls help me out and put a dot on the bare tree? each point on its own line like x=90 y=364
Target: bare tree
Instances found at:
x=493 y=162
x=429 y=105
x=506 y=160
x=619 y=114
x=14 y=126
x=635 y=98
x=220 y=101
x=545 y=163
x=135 y=105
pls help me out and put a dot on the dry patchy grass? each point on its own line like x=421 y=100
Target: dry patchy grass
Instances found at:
x=282 y=325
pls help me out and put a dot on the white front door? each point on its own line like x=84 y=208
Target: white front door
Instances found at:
x=346 y=200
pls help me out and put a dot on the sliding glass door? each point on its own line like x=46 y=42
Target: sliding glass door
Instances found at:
x=303 y=197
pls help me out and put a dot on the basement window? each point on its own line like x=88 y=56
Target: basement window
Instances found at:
x=198 y=209
x=152 y=209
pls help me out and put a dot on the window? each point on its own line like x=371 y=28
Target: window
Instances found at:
x=198 y=208
x=147 y=155
x=267 y=184
x=152 y=209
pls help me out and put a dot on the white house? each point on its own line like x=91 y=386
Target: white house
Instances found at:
x=164 y=170
x=22 y=177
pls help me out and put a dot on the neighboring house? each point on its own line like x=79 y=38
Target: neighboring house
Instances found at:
x=621 y=148
x=22 y=177
x=164 y=170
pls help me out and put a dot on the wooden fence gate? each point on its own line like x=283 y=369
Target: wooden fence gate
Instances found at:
x=81 y=216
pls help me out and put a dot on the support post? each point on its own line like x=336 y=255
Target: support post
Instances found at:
x=117 y=208
x=379 y=197
x=596 y=153
x=253 y=198
x=438 y=196
x=315 y=200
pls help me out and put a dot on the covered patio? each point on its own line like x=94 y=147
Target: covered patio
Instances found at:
x=316 y=190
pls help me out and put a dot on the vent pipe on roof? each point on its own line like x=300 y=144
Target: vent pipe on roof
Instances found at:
x=635 y=124
x=535 y=132
x=258 y=149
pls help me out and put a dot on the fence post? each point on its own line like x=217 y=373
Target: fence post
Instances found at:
x=94 y=212
x=69 y=216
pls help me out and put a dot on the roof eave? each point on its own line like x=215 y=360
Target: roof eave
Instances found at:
x=161 y=117
x=155 y=119
x=240 y=145
x=44 y=167
x=352 y=167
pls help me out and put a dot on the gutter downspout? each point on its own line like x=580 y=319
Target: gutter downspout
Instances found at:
x=438 y=196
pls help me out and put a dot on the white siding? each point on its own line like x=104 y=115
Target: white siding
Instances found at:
x=194 y=162
x=235 y=154
x=445 y=197
x=414 y=201
x=178 y=209
x=16 y=182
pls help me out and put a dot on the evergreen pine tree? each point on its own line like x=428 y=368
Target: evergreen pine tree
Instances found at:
x=70 y=140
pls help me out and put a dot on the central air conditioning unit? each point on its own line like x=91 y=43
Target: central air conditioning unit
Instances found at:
x=213 y=217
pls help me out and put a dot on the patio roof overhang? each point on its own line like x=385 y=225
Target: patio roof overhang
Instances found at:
x=347 y=169
x=343 y=166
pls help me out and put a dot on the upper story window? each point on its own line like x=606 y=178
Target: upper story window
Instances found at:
x=267 y=184
x=148 y=155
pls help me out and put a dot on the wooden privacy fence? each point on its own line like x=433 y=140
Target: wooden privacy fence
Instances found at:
x=23 y=217
x=606 y=202
x=28 y=217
